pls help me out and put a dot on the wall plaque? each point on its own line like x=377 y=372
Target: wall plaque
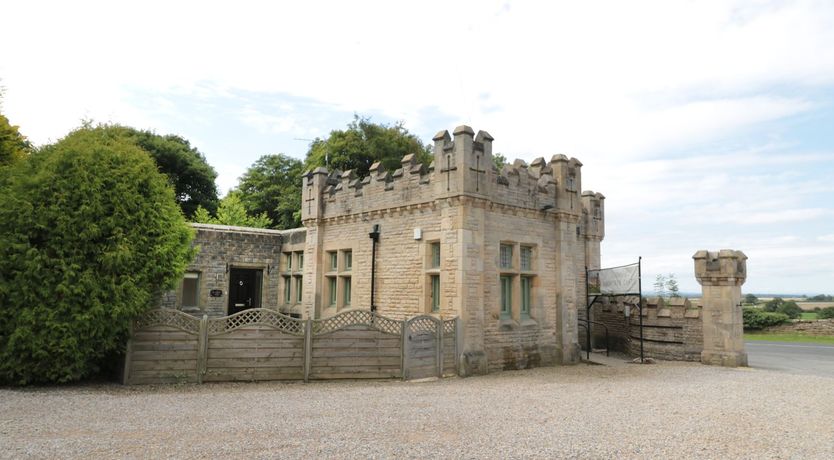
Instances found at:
x=216 y=293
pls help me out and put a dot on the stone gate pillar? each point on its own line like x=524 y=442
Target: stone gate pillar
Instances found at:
x=721 y=275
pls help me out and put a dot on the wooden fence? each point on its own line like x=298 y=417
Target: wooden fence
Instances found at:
x=259 y=344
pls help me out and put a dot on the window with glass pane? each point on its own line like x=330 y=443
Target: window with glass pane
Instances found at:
x=525 y=297
x=288 y=260
x=348 y=255
x=300 y=257
x=506 y=256
x=298 y=284
x=506 y=296
x=435 y=255
x=331 y=287
x=287 y=292
x=526 y=258
x=435 y=293
x=334 y=261
x=190 y=289
x=346 y=291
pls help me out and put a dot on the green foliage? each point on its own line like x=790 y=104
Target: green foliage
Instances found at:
x=660 y=286
x=499 y=160
x=826 y=313
x=773 y=304
x=272 y=186
x=90 y=235
x=232 y=212
x=755 y=318
x=364 y=143
x=821 y=298
x=186 y=168
x=750 y=299
x=13 y=145
x=791 y=309
x=672 y=286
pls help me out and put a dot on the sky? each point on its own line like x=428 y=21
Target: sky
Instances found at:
x=707 y=125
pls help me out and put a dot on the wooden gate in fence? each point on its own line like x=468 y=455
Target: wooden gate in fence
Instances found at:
x=260 y=344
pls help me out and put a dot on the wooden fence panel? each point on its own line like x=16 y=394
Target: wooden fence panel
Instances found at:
x=163 y=349
x=260 y=344
x=255 y=344
x=355 y=345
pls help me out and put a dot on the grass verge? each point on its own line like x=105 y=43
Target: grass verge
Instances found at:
x=797 y=338
x=809 y=315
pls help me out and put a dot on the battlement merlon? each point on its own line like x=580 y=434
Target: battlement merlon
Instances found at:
x=720 y=268
x=314 y=182
x=593 y=205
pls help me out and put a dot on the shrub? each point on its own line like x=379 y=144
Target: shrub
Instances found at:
x=90 y=235
x=791 y=309
x=826 y=313
x=755 y=318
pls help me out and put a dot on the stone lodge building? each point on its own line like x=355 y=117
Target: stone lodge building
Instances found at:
x=504 y=250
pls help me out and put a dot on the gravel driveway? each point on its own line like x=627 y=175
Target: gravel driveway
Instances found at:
x=665 y=410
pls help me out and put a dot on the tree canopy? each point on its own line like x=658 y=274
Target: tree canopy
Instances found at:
x=90 y=235
x=13 y=145
x=187 y=170
x=272 y=185
x=363 y=143
x=232 y=212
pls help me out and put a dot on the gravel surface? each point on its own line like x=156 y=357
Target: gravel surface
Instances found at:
x=665 y=410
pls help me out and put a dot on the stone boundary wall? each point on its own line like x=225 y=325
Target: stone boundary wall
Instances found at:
x=807 y=327
x=670 y=332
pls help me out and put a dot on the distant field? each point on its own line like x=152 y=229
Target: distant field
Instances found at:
x=809 y=315
x=812 y=305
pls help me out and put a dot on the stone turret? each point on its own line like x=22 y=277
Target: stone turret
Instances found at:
x=568 y=176
x=311 y=199
x=593 y=225
x=721 y=275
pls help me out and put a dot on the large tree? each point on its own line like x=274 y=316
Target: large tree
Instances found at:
x=232 y=212
x=186 y=168
x=363 y=143
x=90 y=235
x=13 y=145
x=273 y=186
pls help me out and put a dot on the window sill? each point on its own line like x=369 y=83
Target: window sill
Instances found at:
x=529 y=322
x=506 y=324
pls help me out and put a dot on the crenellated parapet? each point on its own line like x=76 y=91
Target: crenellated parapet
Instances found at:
x=593 y=215
x=463 y=165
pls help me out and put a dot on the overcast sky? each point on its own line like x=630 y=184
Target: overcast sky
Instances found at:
x=706 y=125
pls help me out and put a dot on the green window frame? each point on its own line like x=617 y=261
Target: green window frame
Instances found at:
x=288 y=260
x=526 y=288
x=348 y=260
x=435 y=255
x=526 y=258
x=287 y=291
x=334 y=261
x=346 y=291
x=506 y=296
x=300 y=257
x=506 y=256
x=331 y=286
x=298 y=288
x=435 y=293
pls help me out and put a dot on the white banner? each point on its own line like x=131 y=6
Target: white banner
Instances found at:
x=615 y=281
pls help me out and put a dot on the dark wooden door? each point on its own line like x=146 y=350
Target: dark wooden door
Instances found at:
x=244 y=289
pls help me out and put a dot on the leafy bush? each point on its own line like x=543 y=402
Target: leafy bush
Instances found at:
x=791 y=309
x=826 y=313
x=90 y=235
x=755 y=318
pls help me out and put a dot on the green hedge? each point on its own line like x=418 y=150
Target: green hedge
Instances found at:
x=755 y=318
x=825 y=313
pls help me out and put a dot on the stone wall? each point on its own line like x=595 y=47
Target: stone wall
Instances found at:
x=670 y=331
x=807 y=327
x=221 y=248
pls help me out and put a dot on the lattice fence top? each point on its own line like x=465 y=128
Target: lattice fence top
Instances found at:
x=168 y=317
x=357 y=318
x=256 y=316
x=423 y=324
x=449 y=326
